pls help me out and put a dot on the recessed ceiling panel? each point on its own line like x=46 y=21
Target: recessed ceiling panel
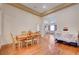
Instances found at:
x=41 y=7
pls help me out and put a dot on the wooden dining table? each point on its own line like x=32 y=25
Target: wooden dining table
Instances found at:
x=21 y=37
x=26 y=37
x=29 y=38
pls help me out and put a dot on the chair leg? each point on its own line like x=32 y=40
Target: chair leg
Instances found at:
x=26 y=43
x=14 y=46
x=31 y=43
x=19 y=44
x=37 y=41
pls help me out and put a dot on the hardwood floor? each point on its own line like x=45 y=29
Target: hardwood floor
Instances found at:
x=40 y=49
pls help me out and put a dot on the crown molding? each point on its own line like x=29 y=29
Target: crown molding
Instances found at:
x=52 y=10
x=25 y=8
x=57 y=8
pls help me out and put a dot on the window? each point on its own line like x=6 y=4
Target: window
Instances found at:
x=52 y=28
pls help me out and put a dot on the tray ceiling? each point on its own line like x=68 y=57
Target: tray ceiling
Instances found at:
x=41 y=7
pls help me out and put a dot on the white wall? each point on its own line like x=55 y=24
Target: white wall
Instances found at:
x=16 y=21
x=0 y=24
x=0 y=28
x=68 y=17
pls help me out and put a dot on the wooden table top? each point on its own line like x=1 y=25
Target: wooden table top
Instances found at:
x=23 y=37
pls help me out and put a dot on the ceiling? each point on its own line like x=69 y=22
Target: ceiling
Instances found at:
x=41 y=7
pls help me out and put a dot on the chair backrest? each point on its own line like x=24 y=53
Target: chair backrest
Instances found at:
x=12 y=37
x=23 y=32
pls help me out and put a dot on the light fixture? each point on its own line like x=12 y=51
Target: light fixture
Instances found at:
x=44 y=6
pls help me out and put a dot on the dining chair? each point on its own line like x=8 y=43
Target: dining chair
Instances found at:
x=36 y=40
x=29 y=39
x=15 y=42
x=23 y=32
x=27 y=42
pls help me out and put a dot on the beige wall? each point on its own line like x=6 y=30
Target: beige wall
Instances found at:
x=68 y=17
x=16 y=21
